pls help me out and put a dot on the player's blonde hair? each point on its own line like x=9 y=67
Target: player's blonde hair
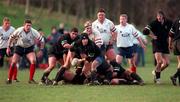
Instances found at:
x=6 y=19
x=87 y=24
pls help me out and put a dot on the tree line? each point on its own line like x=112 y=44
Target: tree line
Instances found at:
x=139 y=11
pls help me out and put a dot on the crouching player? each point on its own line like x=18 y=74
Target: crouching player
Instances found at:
x=88 y=50
x=58 y=52
x=122 y=76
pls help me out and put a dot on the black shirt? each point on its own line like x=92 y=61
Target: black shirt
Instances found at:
x=64 y=40
x=175 y=30
x=91 y=49
x=160 y=30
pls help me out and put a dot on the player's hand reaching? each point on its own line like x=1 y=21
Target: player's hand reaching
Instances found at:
x=39 y=53
x=153 y=36
x=8 y=51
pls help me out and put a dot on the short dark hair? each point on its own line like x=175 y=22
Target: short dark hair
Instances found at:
x=27 y=21
x=124 y=15
x=101 y=10
x=53 y=27
x=74 y=29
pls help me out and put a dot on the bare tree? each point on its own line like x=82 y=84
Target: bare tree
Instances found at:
x=9 y=2
x=27 y=7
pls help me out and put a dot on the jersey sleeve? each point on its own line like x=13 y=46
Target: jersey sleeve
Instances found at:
x=15 y=35
x=149 y=27
x=172 y=30
x=37 y=35
x=112 y=27
x=134 y=32
x=64 y=40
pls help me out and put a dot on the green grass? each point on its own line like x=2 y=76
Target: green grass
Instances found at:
x=24 y=92
x=40 y=18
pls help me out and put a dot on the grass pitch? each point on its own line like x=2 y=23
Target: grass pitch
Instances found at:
x=24 y=92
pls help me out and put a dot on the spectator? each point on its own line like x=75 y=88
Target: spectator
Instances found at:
x=54 y=36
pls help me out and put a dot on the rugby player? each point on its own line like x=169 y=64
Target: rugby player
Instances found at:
x=174 y=43
x=5 y=31
x=24 y=37
x=58 y=53
x=125 y=37
x=158 y=30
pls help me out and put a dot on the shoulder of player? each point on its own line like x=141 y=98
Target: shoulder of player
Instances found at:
x=34 y=30
x=20 y=28
x=108 y=21
x=117 y=26
x=65 y=36
x=168 y=21
x=11 y=27
x=155 y=21
x=130 y=25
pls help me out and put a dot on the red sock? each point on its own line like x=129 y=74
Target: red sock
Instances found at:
x=32 y=71
x=133 y=69
x=15 y=73
x=11 y=70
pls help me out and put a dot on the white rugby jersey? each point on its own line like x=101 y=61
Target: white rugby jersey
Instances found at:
x=105 y=29
x=95 y=36
x=143 y=37
x=26 y=39
x=4 y=36
x=125 y=35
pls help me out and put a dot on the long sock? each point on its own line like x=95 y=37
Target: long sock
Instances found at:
x=133 y=69
x=45 y=75
x=11 y=70
x=177 y=73
x=136 y=77
x=60 y=74
x=93 y=76
x=15 y=73
x=32 y=71
x=158 y=75
x=179 y=78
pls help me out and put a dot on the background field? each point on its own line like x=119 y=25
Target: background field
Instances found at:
x=24 y=92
